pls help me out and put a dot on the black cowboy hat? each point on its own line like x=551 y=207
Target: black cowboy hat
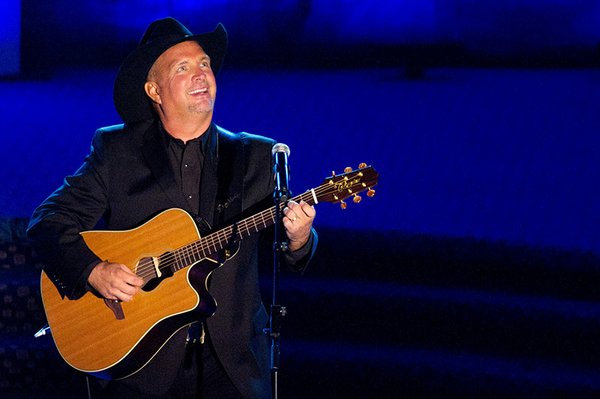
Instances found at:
x=131 y=101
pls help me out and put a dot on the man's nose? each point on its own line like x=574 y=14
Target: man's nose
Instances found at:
x=199 y=73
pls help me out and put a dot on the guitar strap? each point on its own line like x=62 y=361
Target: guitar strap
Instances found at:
x=222 y=180
x=230 y=178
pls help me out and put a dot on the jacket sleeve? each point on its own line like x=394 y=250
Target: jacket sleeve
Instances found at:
x=295 y=260
x=74 y=207
x=298 y=260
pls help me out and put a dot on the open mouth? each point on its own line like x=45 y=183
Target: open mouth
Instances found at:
x=198 y=91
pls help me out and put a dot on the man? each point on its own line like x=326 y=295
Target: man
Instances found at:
x=170 y=154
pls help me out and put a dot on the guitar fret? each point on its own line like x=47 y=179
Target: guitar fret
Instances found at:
x=192 y=253
x=207 y=245
x=177 y=261
x=262 y=216
x=183 y=258
x=211 y=244
x=188 y=258
x=227 y=235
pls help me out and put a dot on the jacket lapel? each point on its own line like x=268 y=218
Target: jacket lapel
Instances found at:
x=209 y=181
x=222 y=182
x=156 y=157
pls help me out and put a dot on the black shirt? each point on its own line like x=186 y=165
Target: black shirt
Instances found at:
x=187 y=160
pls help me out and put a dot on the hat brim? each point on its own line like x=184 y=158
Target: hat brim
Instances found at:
x=131 y=101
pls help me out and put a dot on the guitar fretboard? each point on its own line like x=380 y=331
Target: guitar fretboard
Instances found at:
x=334 y=189
x=221 y=239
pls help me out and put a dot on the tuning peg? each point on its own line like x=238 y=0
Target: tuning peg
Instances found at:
x=371 y=193
x=347 y=169
x=357 y=198
x=362 y=165
x=343 y=204
x=333 y=173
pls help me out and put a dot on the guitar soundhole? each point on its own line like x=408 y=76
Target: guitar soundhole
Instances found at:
x=153 y=277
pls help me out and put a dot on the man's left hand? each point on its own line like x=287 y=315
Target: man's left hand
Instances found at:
x=297 y=220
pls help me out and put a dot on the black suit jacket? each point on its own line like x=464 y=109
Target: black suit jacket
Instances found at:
x=127 y=179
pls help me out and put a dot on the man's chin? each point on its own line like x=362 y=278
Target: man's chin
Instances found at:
x=201 y=109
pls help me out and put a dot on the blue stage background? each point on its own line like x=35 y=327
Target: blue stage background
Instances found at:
x=434 y=94
x=474 y=270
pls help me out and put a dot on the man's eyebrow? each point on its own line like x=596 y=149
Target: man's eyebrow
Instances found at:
x=187 y=61
x=180 y=62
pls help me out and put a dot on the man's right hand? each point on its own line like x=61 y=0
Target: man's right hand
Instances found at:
x=115 y=281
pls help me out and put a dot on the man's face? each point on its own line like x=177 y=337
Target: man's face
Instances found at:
x=185 y=83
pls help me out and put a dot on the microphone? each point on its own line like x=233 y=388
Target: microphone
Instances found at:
x=280 y=153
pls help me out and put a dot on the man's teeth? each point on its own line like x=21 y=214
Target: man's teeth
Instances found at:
x=198 y=91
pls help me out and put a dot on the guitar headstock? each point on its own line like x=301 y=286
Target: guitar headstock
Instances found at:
x=337 y=188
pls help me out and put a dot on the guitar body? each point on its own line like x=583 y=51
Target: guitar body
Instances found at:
x=88 y=333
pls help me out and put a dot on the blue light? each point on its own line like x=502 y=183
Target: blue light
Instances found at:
x=10 y=32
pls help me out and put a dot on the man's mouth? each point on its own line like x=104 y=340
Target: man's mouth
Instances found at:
x=198 y=91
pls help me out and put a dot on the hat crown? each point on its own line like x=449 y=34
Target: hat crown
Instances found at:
x=165 y=28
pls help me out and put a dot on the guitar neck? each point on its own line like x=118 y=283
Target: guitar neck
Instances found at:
x=221 y=239
x=334 y=189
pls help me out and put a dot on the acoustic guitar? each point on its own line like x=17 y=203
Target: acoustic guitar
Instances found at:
x=112 y=339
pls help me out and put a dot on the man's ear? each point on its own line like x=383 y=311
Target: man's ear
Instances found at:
x=151 y=89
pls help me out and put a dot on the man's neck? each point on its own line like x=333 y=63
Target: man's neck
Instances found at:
x=186 y=130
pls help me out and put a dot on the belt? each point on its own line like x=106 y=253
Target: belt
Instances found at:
x=194 y=341
x=195 y=334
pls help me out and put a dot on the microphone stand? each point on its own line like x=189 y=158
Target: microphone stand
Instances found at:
x=277 y=310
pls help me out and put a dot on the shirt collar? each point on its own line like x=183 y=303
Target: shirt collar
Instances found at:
x=206 y=139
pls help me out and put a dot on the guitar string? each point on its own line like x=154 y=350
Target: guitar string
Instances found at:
x=187 y=253
x=147 y=269
x=210 y=242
